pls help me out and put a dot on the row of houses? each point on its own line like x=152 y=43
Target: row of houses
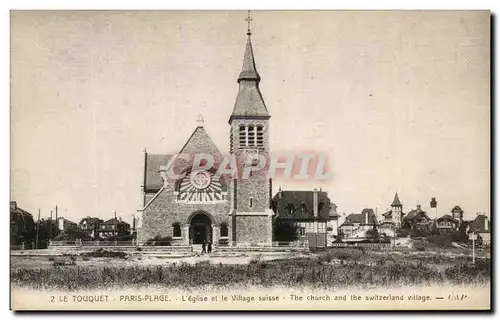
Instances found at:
x=317 y=218
x=355 y=226
x=97 y=228
x=22 y=221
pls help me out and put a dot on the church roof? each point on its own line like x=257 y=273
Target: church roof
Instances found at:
x=396 y=202
x=198 y=142
x=152 y=178
x=249 y=102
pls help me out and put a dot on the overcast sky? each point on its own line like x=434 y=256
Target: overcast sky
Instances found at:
x=398 y=101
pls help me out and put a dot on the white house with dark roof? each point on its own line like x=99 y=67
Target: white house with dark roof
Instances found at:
x=356 y=225
x=481 y=226
x=312 y=211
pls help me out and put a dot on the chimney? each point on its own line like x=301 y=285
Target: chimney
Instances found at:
x=434 y=207
x=315 y=202
x=280 y=193
x=485 y=223
x=419 y=207
x=366 y=216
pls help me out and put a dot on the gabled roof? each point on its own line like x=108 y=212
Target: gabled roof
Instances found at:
x=388 y=214
x=301 y=199
x=447 y=217
x=198 y=142
x=91 y=220
x=457 y=209
x=361 y=217
x=396 y=202
x=479 y=224
x=114 y=221
x=416 y=214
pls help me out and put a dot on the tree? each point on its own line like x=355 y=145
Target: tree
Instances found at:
x=72 y=233
x=285 y=230
x=373 y=234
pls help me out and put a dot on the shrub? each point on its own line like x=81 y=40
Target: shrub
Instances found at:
x=443 y=241
x=101 y=253
x=159 y=241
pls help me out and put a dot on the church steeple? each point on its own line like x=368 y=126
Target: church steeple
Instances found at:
x=249 y=103
x=249 y=71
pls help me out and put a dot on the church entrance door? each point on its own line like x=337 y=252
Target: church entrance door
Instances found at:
x=200 y=229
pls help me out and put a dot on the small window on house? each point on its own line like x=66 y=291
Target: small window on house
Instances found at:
x=223 y=230
x=302 y=231
x=251 y=202
x=176 y=232
x=290 y=209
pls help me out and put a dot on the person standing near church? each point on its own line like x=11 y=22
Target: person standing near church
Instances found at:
x=209 y=249
x=204 y=247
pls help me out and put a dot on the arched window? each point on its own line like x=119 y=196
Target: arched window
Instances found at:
x=251 y=136
x=260 y=136
x=243 y=136
x=223 y=230
x=290 y=209
x=251 y=202
x=176 y=230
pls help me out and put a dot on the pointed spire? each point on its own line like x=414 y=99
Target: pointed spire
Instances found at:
x=249 y=71
x=396 y=202
x=249 y=102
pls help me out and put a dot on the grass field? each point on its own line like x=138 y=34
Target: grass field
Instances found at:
x=337 y=268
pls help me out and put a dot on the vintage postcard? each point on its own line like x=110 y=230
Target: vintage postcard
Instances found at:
x=250 y=160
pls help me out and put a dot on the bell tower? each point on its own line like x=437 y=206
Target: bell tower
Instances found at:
x=250 y=135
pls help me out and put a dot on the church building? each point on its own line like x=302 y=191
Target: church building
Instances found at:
x=201 y=207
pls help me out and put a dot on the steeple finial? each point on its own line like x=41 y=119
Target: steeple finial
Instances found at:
x=200 y=120
x=248 y=20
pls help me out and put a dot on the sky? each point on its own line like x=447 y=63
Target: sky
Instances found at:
x=399 y=101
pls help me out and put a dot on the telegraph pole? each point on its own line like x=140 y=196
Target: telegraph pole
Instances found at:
x=473 y=237
x=37 y=228
x=50 y=226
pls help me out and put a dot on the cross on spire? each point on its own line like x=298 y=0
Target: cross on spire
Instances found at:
x=248 y=19
x=200 y=120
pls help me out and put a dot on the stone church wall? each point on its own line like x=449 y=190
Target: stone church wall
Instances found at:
x=163 y=212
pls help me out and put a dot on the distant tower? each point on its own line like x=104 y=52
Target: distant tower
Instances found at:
x=457 y=214
x=434 y=205
x=397 y=211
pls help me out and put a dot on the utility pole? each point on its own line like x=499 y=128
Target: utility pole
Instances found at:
x=473 y=237
x=37 y=228
x=114 y=231
x=50 y=226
